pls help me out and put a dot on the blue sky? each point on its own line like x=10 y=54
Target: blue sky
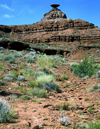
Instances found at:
x=20 y=12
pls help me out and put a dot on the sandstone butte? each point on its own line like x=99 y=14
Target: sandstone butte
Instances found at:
x=54 y=28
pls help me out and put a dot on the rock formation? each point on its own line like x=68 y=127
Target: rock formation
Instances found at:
x=54 y=14
x=54 y=28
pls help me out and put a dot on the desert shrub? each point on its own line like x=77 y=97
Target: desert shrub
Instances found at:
x=68 y=84
x=59 y=59
x=12 y=61
x=91 y=109
x=86 y=68
x=64 y=77
x=22 y=89
x=50 y=86
x=45 y=62
x=64 y=120
x=44 y=78
x=1 y=67
x=8 y=57
x=27 y=72
x=30 y=60
x=20 y=66
x=6 y=113
x=38 y=92
x=62 y=106
x=33 y=83
x=95 y=125
x=16 y=55
x=95 y=87
x=14 y=73
x=25 y=97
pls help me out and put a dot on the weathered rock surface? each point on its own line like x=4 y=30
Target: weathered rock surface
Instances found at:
x=54 y=27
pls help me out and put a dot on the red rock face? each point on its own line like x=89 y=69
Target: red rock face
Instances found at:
x=54 y=27
x=51 y=31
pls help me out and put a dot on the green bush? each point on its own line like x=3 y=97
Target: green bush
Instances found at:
x=33 y=83
x=38 y=92
x=44 y=78
x=95 y=125
x=30 y=60
x=68 y=84
x=1 y=67
x=87 y=68
x=45 y=62
x=65 y=77
x=25 y=97
x=95 y=87
x=14 y=73
x=16 y=55
x=91 y=109
x=6 y=112
x=62 y=106
x=8 y=57
x=27 y=72
x=12 y=61
x=22 y=89
x=20 y=66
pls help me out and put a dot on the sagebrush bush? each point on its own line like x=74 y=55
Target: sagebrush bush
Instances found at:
x=6 y=113
x=8 y=57
x=86 y=68
x=30 y=60
x=14 y=73
x=64 y=120
x=25 y=97
x=64 y=77
x=44 y=78
x=1 y=67
x=33 y=83
x=63 y=106
x=45 y=62
x=27 y=72
x=38 y=92
x=22 y=89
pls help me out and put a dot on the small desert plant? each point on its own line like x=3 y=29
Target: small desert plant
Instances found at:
x=37 y=101
x=25 y=97
x=45 y=62
x=62 y=106
x=85 y=67
x=64 y=77
x=20 y=66
x=27 y=73
x=22 y=89
x=33 y=83
x=95 y=87
x=91 y=109
x=95 y=125
x=68 y=84
x=6 y=113
x=63 y=120
x=16 y=55
x=30 y=60
x=60 y=60
x=1 y=67
x=38 y=92
x=44 y=78
x=14 y=73
x=12 y=61
x=9 y=58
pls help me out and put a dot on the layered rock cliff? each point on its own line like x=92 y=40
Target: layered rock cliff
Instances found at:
x=54 y=28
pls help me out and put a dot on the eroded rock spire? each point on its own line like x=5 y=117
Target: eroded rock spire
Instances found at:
x=54 y=14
